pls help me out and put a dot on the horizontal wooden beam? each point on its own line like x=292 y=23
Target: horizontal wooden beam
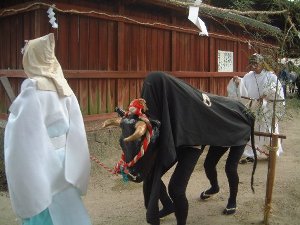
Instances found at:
x=86 y=118
x=97 y=74
x=257 y=133
x=104 y=116
x=12 y=73
x=205 y=74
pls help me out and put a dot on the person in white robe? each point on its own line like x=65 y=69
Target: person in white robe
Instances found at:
x=46 y=150
x=259 y=89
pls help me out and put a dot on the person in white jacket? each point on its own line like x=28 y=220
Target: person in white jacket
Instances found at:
x=46 y=151
x=259 y=89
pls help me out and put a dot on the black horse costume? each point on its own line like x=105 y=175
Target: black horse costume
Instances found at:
x=189 y=120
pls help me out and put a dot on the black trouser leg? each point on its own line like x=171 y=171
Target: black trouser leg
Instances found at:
x=187 y=159
x=213 y=156
x=164 y=197
x=231 y=166
x=151 y=190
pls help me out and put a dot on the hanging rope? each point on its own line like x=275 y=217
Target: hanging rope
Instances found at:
x=9 y=11
x=136 y=107
x=93 y=158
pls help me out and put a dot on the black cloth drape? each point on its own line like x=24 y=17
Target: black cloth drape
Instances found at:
x=187 y=121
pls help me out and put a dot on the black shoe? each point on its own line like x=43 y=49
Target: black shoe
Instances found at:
x=153 y=221
x=250 y=159
x=247 y=160
x=204 y=195
x=166 y=211
x=229 y=211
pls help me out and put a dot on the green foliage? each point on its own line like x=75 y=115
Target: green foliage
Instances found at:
x=243 y=5
x=288 y=22
x=222 y=4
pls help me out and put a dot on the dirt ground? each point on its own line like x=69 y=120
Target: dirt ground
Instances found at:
x=110 y=201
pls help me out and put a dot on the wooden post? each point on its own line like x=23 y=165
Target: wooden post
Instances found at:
x=271 y=169
x=272 y=163
x=8 y=88
x=270 y=177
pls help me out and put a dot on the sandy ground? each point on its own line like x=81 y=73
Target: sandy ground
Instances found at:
x=110 y=201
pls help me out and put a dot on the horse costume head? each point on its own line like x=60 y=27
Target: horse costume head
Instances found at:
x=138 y=139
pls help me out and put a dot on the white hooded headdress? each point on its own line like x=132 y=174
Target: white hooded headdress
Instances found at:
x=40 y=64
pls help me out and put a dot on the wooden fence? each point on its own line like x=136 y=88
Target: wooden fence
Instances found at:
x=107 y=53
x=101 y=95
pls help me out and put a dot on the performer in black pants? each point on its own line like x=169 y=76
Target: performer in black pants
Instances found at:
x=187 y=159
x=213 y=156
x=188 y=118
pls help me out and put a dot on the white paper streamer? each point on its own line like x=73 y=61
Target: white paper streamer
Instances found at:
x=52 y=18
x=194 y=18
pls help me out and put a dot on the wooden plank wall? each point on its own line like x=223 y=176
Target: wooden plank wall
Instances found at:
x=106 y=56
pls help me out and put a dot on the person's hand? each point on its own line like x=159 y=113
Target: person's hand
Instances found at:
x=261 y=99
x=236 y=80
